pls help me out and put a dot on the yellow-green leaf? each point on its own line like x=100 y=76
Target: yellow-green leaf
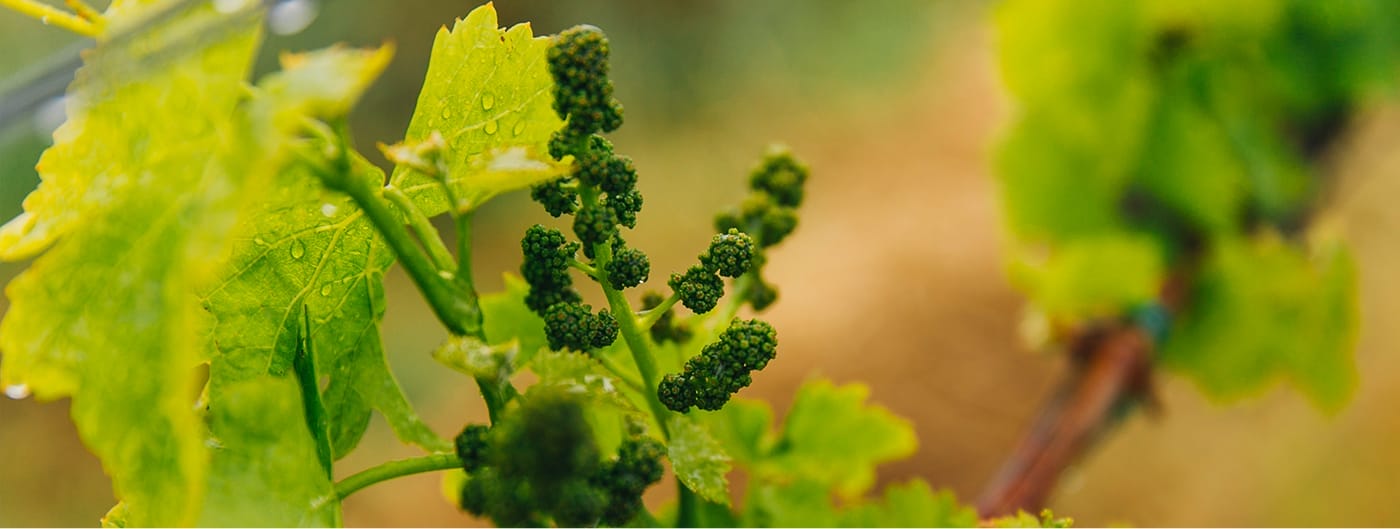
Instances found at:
x=698 y=460
x=265 y=471
x=832 y=436
x=139 y=191
x=489 y=94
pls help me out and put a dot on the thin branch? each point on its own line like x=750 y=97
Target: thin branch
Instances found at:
x=396 y=469
x=1113 y=371
x=53 y=16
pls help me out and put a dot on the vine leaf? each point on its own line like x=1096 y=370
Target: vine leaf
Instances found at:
x=911 y=504
x=742 y=426
x=871 y=435
x=1093 y=277
x=698 y=459
x=265 y=471
x=489 y=94
x=505 y=316
x=302 y=245
x=1230 y=342
x=139 y=190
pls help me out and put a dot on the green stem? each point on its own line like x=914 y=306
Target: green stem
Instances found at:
x=457 y=309
x=686 y=512
x=422 y=227
x=304 y=364
x=496 y=394
x=737 y=298
x=464 y=251
x=617 y=371
x=395 y=469
x=53 y=16
x=650 y=316
x=627 y=325
x=585 y=268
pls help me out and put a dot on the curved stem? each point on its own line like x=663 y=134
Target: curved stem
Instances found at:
x=650 y=316
x=585 y=268
x=53 y=16
x=456 y=309
x=1114 y=370
x=617 y=371
x=422 y=227
x=395 y=469
x=464 y=251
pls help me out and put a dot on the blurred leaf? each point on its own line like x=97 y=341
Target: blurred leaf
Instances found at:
x=742 y=427
x=489 y=93
x=265 y=471
x=912 y=504
x=1093 y=277
x=1261 y=311
x=831 y=436
x=698 y=460
x=1024 y=519
x=798 y=504
x=139 y=191
x=505 y=316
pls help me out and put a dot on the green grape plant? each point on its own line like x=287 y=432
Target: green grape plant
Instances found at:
x=206 y=286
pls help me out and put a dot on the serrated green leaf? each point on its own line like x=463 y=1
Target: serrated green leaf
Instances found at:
x=1023 y=519
x=302 y=245
x=139 y=191
x=698 y=460
x=1262 y=311
x=265 y=470
x=911 y=504
x=832 y=436
x=489 y=93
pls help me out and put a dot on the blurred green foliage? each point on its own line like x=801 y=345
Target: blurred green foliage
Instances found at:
x=1183 y=139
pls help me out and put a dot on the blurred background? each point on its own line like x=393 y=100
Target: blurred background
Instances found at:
x=895 y=277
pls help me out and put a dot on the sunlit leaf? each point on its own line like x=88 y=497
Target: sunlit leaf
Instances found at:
x=139 y=191
x=489 y=94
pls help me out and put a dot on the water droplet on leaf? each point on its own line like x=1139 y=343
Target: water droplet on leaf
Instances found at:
x=326 y=289
x=446 y=113
x=328 y=209
x=17 y=391
x=519 y=128
x=298 y=249
x=491 y=127
x=487 y=101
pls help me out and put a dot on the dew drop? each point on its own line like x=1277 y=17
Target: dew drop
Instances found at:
x=289 y=17
x=446 y=113
x=298 y=249
x=519 y=128
x=44 y=19
x=328 y=209
x=259 y=241
x=491 y=127
x=487 y=101
x=17 y=391
x=326 y=289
